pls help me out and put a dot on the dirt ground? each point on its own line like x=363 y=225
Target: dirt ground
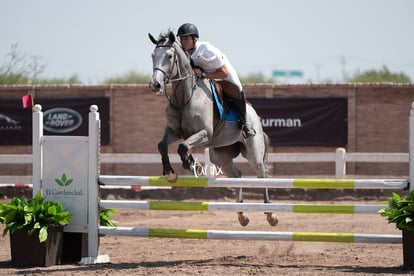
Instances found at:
x=155 y=256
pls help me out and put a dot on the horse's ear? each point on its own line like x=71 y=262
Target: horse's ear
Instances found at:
x=152 y=39
x=171 y=37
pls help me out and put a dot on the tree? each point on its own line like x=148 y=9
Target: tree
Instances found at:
x=18 y=69
x=130 y=77
x=74 y=79
x=383 y=75
x=255 y=78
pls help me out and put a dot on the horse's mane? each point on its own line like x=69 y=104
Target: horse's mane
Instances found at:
x=164 y=37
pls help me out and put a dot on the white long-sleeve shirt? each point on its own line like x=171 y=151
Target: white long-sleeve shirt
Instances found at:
x=209 y=58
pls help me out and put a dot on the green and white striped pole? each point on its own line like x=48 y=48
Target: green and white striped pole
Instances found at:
x=242 y=207
x=250 y=235
x=285 y=183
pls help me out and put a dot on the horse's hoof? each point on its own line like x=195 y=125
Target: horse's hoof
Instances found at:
x=189 y=163
x=171 y=177
x=243 y=219
x=272 y=219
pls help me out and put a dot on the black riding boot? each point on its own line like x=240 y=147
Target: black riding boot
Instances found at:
x=248 y=130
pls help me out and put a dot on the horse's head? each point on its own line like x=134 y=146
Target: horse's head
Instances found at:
x=164 y=61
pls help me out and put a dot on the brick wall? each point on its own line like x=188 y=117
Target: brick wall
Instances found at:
x=377 y=122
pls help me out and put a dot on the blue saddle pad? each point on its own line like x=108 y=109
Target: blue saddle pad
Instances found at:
x=229 y=115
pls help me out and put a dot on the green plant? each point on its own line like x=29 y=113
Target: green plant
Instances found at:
x=104 y=219
x=35 y=213
x=400 y=211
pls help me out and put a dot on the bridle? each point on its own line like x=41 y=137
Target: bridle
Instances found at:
x=167 y=77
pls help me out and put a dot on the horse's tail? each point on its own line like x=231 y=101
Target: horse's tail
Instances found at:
x=266 y=140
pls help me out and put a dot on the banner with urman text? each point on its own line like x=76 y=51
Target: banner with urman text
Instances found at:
x=304 y=121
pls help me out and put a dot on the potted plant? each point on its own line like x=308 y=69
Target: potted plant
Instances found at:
x=401 y=212
x=105 y=219
x=36 y=230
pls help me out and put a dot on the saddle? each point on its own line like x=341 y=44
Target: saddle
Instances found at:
x=227 y=94
x=225 y=98
x=218 y=89
x=225 y=105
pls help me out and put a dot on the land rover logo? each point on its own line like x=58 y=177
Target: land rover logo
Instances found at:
x=61 y=120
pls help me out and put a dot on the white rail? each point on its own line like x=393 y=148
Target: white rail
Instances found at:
x=340 y=157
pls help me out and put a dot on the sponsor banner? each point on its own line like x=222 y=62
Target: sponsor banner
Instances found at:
x=63 y=117
x=304 y=121
x=65 y=177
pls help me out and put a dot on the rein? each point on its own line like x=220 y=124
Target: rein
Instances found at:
x=178 y=79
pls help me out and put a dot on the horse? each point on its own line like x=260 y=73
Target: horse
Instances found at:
x=191 y=117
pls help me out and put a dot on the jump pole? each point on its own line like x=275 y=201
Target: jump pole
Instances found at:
x=249 y=235
x=242 y=207
x=280 y=183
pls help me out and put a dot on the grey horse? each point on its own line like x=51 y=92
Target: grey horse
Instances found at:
x=192 y=117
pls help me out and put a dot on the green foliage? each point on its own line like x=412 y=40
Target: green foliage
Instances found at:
x=400 y=211
x=74 y=79
x=34 y=214
x=255 y=78
x=383 y=75
x=13 y=78
x=104 y=219
x=131 y=77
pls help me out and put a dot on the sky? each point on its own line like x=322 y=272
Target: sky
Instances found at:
x=325 y=39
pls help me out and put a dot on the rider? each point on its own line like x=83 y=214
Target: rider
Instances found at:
x=210 y=62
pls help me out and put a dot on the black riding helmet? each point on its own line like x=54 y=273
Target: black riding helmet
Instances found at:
x=187 y=29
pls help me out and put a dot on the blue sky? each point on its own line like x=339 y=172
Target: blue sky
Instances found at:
x=326 y=39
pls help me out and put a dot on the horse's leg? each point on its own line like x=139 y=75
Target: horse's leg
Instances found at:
x=241 y=216
x=196 y=140
x=255 y=152
x=232 y=171
x=168 y=138
x=223 y=157
x=271 y=217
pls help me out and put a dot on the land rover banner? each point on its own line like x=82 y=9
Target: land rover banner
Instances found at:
x=303 y=121
x=64 y=117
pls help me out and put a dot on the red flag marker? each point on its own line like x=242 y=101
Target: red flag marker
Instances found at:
x=27 y=100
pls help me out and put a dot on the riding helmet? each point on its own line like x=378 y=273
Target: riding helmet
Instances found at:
x=187 y=29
